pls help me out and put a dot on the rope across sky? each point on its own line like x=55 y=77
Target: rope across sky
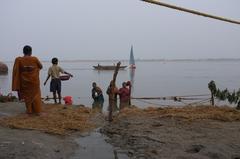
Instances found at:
x=192 y=11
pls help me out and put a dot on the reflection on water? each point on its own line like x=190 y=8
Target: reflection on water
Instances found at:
x=94 y=146
x=132 y=78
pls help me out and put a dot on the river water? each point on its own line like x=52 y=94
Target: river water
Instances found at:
x=150 y=79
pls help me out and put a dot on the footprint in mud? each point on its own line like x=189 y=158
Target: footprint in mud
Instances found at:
x=195 y=148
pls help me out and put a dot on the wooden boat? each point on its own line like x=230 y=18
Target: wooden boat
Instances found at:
x=3 y=69
x=107 y=67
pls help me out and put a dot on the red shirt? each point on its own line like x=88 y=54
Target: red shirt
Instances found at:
x=124 y=94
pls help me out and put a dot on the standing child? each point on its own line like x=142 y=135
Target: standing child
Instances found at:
x=55 y=85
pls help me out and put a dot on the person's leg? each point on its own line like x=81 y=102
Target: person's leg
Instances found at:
x=28 y=105
x=59 y=97
x=19 y=96
x=101 y=101
x=37 y=104
x=115 y=108
x=101 y=104
x=94 y=105
x=123 y=105
x=59 y=87
x=53 y=89
x=54 y=97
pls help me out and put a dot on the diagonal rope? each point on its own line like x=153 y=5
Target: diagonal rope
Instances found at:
x=192 y=11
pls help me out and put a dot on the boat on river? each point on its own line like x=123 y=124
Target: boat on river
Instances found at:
x=113 y=67
x=108 y=67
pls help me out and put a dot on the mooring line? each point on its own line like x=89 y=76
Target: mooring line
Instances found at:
x=192 y=11
x=161 y=105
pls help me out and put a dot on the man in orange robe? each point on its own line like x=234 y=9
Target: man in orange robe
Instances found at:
x=25 y=80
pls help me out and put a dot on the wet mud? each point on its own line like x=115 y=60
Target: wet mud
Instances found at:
x=154 y=137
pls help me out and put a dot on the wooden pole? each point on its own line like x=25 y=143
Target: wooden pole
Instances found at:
x=192 y=11
x=212 y=99
x=112 y=92
x=130 y=92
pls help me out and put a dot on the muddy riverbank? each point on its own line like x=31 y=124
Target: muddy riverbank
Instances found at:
x=20 y=140
x=191 y=132
x=29 y=144
x=25 y=144
x=155 y=134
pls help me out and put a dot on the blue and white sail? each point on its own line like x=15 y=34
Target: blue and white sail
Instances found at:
x=132 y=61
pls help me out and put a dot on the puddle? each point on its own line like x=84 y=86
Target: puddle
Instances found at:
x=4 y=114
x=93 y=146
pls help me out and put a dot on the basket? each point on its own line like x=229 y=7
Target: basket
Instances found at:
x=64 y=77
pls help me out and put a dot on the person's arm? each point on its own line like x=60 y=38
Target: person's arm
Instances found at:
x=99 y=91
x=120 y=91
x=68 y=74
x=108 y=91
x=93 y=94
x=46 y=80
x=39 y=64
x=16 y=75
x=129 y=84
x=49 y=74
x=62 y=71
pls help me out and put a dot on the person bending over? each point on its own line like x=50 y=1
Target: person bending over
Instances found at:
x=97 y=96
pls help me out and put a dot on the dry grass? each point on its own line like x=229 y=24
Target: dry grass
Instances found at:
x=190 y=113
x=58 y=120
x=62 y=121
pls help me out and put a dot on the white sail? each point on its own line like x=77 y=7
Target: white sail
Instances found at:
x=132 y=61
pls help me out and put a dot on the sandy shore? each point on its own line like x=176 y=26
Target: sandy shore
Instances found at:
x=138 y=133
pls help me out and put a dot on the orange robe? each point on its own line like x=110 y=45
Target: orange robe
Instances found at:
x=25 y=80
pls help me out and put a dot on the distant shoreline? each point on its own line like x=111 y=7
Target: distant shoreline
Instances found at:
x=150 y=60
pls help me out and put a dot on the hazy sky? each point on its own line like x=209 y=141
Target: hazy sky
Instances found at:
x=106 y=29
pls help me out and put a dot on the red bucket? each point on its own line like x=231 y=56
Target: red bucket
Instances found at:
x=68 y=100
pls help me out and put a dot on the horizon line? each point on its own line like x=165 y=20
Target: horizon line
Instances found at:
x=146 y=60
